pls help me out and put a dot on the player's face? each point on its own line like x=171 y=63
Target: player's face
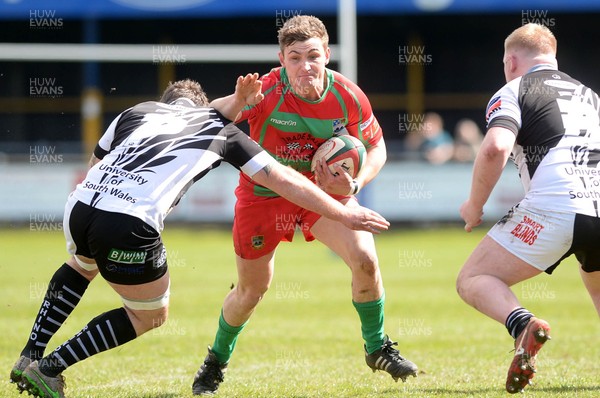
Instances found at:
x=305 y=66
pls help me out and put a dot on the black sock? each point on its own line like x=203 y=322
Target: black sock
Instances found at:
x=517 y=320
x=62 y=296
x=106 y=331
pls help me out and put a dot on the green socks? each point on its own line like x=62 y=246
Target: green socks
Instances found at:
x=371 y=319
x=225 y=339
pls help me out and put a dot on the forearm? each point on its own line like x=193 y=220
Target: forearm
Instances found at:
x=229 y=106
x=486 y=173
x=376 y=158
x=298 y=189
x=489 y=163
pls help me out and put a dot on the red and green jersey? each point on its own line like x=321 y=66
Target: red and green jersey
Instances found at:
x=291 y=128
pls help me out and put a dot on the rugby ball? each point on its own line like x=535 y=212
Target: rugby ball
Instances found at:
x=345 y=151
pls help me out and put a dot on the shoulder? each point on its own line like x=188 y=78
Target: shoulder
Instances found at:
x=145 y=107
x=271 y=80
x=342 y=82
x=349 y=91
x=508 y=94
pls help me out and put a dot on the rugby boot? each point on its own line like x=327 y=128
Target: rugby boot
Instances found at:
x=389 y=359
x=17 y=370
x=527 y=345
x=209 y=376
x=35 y=382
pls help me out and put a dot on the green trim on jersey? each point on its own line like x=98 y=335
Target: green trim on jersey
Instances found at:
x=338 y=95
x=286 y=82
x=263 y=128
x=259 y=190
x=360 y=114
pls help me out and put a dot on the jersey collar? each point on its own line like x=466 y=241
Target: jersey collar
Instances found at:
x=535 y=68
x=183 y=101
x=328 y=85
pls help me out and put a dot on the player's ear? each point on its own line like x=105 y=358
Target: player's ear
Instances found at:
x=327 y=55
x=281 y=58
x=513 y=63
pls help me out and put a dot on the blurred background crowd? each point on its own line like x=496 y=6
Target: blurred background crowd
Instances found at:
x=429 y=67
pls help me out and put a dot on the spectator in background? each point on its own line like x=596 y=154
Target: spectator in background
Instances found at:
x=432 y=142
x=467 y=140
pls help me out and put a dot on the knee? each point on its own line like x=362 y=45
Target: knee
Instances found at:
x=364 y=262
x=146 y=320
x=462 y=284
x=159 y=318
x=251 y=295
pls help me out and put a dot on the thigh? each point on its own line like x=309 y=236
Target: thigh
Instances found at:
x=354 y=247
x=490 y=258
x=256 y=273
x=143 y=292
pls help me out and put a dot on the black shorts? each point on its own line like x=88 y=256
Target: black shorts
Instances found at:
x=126 y=249
x=585 y=246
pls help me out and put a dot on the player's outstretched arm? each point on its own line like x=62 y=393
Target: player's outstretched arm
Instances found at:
x=247 y=92
x=300 y=190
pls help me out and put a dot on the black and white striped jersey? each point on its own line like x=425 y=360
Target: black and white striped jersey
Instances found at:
x=152 y=153
x=556 y=121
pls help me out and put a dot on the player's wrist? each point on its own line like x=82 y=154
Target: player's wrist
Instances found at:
x=354 y=187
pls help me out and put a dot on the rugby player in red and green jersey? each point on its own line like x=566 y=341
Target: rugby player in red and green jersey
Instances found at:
x=304 y=105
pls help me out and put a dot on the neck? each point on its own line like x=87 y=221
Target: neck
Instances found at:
x=314 y=91
x=543 y=59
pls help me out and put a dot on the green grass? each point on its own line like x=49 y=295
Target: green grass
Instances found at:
x=304 y=339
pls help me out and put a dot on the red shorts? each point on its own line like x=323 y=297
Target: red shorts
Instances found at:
x=261 y=222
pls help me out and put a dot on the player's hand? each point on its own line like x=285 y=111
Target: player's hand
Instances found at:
x=363 y=219
x=337 y=184
x=471 y=215
x=248 y=89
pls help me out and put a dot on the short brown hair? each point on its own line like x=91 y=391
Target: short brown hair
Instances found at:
x=184 y=89
x=532 y=37
x=302 y=28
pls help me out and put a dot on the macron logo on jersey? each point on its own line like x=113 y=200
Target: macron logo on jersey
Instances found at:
x=494 y=106
x=283 y=122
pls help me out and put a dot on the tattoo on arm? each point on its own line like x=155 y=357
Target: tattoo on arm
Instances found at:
x=267 y=169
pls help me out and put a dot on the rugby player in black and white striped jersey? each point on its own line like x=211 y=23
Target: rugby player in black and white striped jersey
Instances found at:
x=143 y=164
x=549 y=124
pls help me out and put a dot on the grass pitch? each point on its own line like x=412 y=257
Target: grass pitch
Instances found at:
x=304 y=339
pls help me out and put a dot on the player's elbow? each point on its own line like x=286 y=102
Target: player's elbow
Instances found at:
x=378 y=152
x=494 y=150
x=497 y=144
